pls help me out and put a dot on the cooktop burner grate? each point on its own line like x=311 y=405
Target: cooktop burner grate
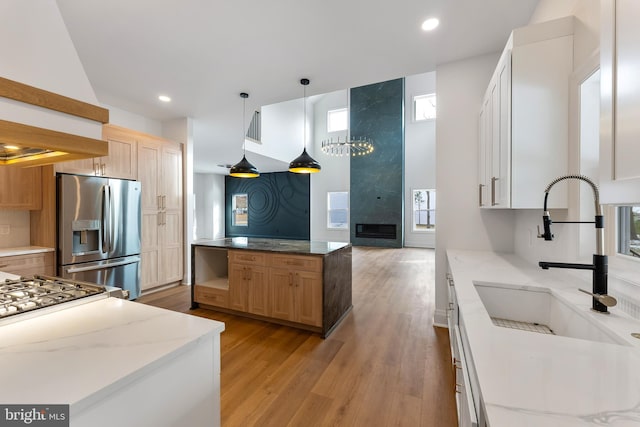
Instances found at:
x=31 y=293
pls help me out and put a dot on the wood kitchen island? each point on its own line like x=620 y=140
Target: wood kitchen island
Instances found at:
x=299 y=283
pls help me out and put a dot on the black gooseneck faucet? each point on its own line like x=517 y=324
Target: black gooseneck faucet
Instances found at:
x=599 y=266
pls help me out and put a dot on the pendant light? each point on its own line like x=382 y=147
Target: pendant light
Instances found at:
x=304 y=163
x=244 y=169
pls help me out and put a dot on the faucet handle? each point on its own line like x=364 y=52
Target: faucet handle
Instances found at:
x=607 y=300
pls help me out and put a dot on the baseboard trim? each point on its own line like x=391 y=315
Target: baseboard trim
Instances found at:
x=440 y=318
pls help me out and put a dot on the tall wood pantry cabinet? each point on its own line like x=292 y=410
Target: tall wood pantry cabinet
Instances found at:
x=160 y=172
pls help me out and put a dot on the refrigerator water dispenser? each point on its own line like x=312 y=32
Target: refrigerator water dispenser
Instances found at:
x=86 y=236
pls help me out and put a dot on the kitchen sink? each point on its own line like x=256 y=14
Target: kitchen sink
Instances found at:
x=540 y=310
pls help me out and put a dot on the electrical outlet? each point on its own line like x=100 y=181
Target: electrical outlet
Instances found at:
x=5 y=229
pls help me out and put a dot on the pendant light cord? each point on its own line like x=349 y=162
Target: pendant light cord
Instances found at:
x=244 y=109
x=304 y=109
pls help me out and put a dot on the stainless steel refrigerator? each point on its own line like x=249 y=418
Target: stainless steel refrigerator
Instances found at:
x=99 y=231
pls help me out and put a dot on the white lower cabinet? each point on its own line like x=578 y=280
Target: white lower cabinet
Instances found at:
x=468 y=399
x=467 y=414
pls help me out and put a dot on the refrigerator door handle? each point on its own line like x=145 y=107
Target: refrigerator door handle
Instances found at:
x=102 y=265
x=112 y=221
x=106 y=219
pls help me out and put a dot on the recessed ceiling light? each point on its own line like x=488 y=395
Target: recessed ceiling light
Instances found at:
x=430 y=24
x=164 y=98
x=11 y=147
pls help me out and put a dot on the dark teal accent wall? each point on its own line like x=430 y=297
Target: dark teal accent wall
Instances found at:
x=377 y=180
x=278 y=206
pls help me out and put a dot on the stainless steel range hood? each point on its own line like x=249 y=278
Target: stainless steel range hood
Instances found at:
x=26 y=145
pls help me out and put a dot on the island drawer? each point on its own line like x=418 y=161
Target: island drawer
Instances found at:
x=306 y=263
x=247 y=257
x=211 y=296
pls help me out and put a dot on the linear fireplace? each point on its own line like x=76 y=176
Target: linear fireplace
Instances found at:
x=376 y=231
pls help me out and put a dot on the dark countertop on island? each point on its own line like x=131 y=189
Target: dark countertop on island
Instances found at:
x=300 y=247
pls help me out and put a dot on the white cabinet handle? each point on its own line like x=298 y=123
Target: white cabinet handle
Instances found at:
x=493 y=190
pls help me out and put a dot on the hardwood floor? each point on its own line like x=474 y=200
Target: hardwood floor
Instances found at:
x=385 y=364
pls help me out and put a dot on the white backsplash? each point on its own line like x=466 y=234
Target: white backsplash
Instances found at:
x=17 y=224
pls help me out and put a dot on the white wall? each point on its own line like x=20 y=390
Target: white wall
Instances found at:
x=133 y=121
x=335 y=172
x=282 y=127
x=419 y=156
x=209 y=205
x=37 y=50
x=461 y=224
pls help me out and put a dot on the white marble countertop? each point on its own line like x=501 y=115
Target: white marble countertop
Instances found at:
x=24 y=250
x=533 y=380
x=78 y=355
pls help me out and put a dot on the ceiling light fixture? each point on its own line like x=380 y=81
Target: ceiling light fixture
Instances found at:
x=164 y=98
x=304 y=163
x=430 y=24
x=348 y=146
x=244 y=169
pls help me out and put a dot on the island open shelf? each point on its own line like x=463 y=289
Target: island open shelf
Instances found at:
x=304 y=284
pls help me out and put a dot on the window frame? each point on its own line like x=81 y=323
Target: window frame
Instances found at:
x=415 y=110
x=234 y=208
x=414 y=210
x=335 y=111
x=329 y=223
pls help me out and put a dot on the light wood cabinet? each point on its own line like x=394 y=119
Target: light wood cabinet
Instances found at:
x=619 y=103
x=296 y=289
x=210 y=276
x=20 y=188
x=160 y=173
x=248 y=283
x=28 y=265
x=121 y=161
x=524 y=131
x=307 y=290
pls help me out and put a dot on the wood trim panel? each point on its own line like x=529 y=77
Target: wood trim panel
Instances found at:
x=68 y=145
x=43 y=98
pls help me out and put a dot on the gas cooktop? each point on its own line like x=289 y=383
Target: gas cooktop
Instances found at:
x=31 y=293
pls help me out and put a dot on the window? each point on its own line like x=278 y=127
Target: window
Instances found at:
x=337 y=120
x=629 y=230
x=424 y=210
x=338 y=209
x=424 y=107
x=240 y=210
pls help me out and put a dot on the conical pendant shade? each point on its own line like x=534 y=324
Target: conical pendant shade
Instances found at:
x=304 y=163
x=244 y=169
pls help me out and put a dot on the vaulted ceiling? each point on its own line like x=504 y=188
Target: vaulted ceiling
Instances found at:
x=203 y=53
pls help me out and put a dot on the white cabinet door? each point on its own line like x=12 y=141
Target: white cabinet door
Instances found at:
x=524 y=133
x=484 y=151
x=620 y=102
x=466 y=409
x=502 y=157
x=540 y=121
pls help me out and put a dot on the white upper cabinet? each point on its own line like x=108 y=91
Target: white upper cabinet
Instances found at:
x=524 y=122
x=620 y=102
